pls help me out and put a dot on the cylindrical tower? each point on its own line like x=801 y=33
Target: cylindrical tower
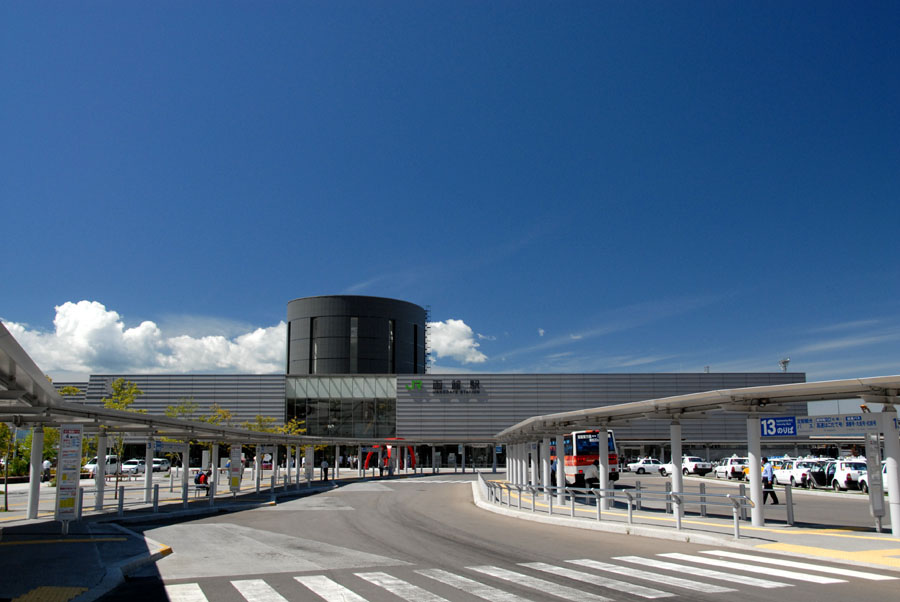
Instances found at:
x=349 y=334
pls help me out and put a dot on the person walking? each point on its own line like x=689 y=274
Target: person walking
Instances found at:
x=768 y=475
x=324 y=467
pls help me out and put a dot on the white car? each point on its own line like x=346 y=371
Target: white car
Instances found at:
x=134 y=466
x=161 y=464
x=795 y=472
x=844 y=474
x=864 y=479
x=731 y=468
x=112 y=466
x=689 y=465
x=643 y=465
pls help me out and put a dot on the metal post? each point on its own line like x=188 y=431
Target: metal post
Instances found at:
x=892 y=464
x=148 y=471
x=742 y=491
x=462 y=456
x=637 y=495
x=275 y=461
x=100 y=473
x=156 y=498
x=433 y=461
x=545 y=466
x=789 y=504
x=572 y=498
x=702 y=499
x=310 y=457
x=630 y=508
x=360 y=467
x=171 y=479
x=677 y=482
x=754 y=447
x=298 y=460
x=215 y=466
x=288 y=458
x=337 y=463
x=599 y=497
x=272 y=486
x=560 y=470
x=121 y=501
x=80 y=507
x=603 y=476
x=668 y=497
x=185 y=472
x=35 y=472
x=494 y=458
x=257 y=467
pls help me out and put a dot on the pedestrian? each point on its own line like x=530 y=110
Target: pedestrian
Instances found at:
x=324 y=466
x=45 y=476
x=767 y=477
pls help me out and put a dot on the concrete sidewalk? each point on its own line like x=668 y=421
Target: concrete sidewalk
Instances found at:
x=100 y=550
x=858 y=546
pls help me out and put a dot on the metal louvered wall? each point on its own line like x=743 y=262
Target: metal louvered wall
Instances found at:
x=473 y=407
x=246 y=395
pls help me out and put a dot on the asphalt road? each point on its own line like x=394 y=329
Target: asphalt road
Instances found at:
x=423 y=539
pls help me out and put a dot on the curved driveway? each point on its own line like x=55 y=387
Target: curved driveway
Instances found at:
x=423 y=539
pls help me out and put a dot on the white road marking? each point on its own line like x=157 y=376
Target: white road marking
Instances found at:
x=185 y=592
x=470 y=586
x=739 y=566
x=622 y=586
x=800 y=565
x=327 y=589
x=545 y=587
x=257 y=590
x=400 y=588
x=697 y=586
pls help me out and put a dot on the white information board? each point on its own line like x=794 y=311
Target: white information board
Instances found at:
x=68 y=471
x=236 y=470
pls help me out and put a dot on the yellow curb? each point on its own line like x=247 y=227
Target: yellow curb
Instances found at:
x=165 y=550
x=51 y=594
x=889 y=558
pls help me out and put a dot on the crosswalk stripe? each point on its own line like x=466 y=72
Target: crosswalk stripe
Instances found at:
x=327 y=589
x=800 y=565
x=185 y=592
x=257 y=590
x=622 y=586
x=400 y=588
x=470 y=586
x=546 y=587
x=697 y=586
x=738 y=566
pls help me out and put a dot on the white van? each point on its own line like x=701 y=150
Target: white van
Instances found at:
x=112 y=466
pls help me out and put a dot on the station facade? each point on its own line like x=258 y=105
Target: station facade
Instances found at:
x=356 y=368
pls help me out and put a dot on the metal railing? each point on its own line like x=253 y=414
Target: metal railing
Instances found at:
x=569 y=500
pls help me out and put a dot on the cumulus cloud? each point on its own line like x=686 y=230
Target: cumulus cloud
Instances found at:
x=456 y=340
x=541 y=332
x=89 y=339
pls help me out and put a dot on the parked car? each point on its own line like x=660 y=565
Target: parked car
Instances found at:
x=796 y=472
x=112 y=466
x=844 y=474
x=864 y=479
x=134 y=466
x=731 y=468
x=689 y=465
x=643 y=465
x=161 y=465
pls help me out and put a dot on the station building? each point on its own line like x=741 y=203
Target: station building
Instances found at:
x=356 y=368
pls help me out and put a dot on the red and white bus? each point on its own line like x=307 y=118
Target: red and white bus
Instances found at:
x=585 y=452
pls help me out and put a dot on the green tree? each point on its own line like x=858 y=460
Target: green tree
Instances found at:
x=124 y=393
x=261 y=424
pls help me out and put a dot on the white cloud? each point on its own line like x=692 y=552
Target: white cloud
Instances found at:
x=486 y=337
x=456 y=340
x=90 y=339
x=541 y=332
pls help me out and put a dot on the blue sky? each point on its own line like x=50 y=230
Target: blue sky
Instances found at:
x=570 y=187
